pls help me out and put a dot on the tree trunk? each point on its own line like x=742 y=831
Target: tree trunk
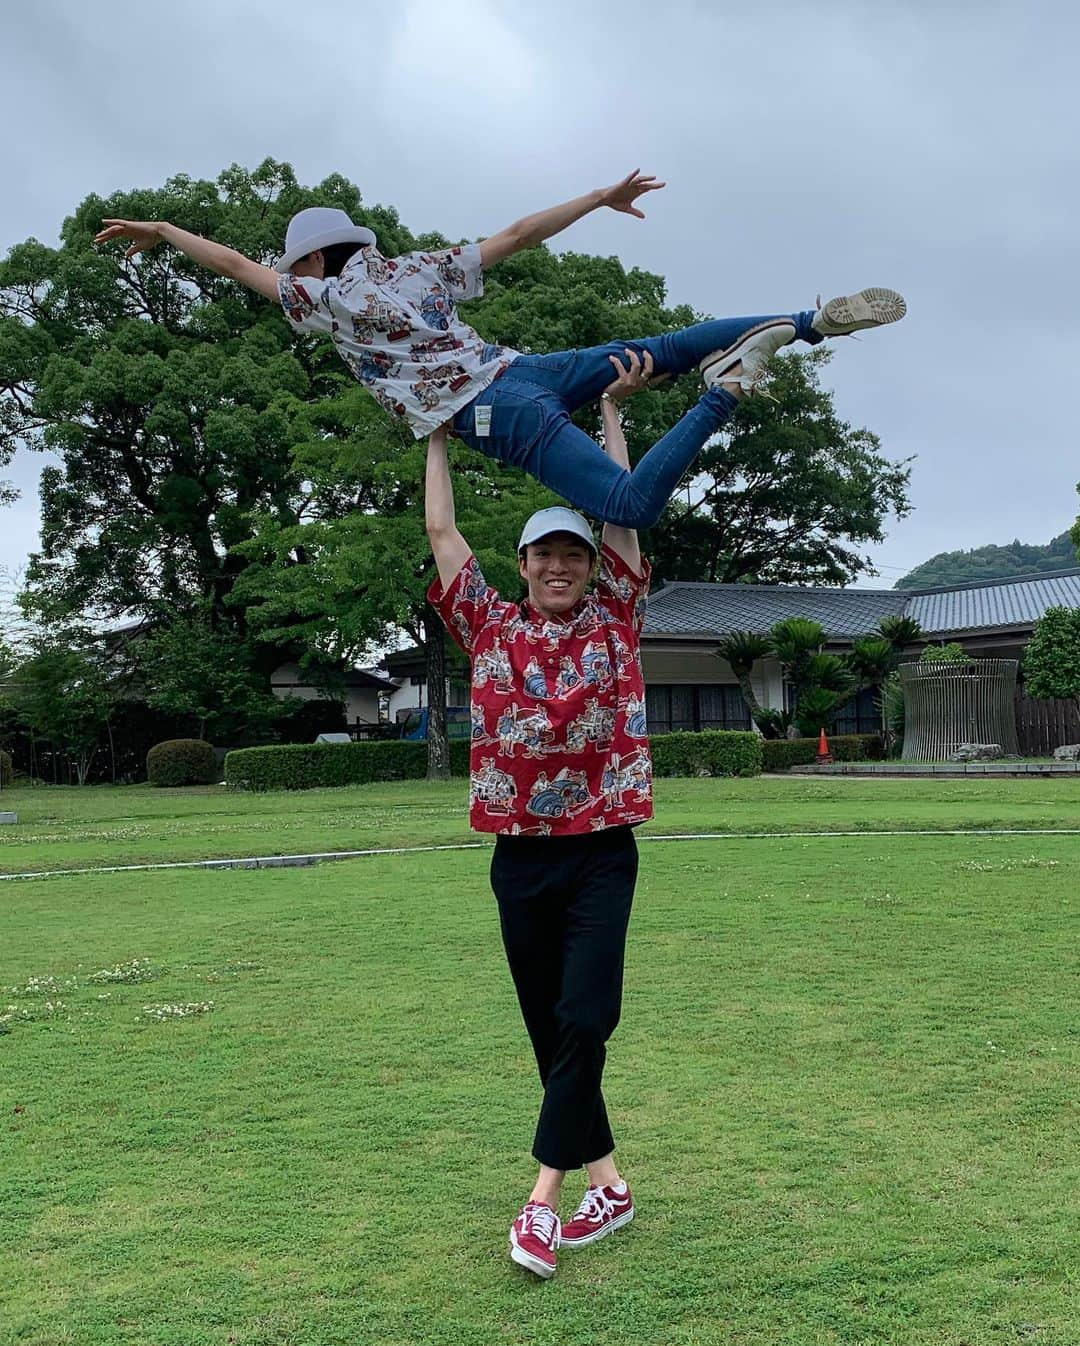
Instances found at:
x=438 y=749
x=746 y=686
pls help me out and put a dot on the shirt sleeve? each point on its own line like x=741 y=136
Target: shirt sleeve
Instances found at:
x=466 y=605
x=621 y=590
x=307 y=302
x=458 y=269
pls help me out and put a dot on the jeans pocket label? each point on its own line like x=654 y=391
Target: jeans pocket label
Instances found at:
x=483 y=422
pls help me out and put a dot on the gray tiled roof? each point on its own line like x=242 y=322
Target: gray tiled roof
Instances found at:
x=712 y=609
x=696 y=609
x=1008 y=603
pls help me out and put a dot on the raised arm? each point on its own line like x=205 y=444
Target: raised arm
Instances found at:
x=144 y=234
x=450 y=548
x=630 y=378
x=533 y=229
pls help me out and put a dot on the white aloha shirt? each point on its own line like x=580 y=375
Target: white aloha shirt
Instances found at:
x=394 y=322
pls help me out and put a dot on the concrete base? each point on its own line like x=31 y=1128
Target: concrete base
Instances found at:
x=8 y=818
x=946 y=769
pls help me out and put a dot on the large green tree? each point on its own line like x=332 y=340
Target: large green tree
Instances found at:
x=211 y=460
x=169 y=395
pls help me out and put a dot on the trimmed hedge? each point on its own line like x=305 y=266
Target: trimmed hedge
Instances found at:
x=780 y=753
x=716 y=752
x=182 y=761
x=313 y=766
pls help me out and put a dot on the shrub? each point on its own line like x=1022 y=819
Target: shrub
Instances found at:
x=182 y=761
x=313 y=766
x=5 y=769
x=720 y=752
x=778 y=754
x=953 y=653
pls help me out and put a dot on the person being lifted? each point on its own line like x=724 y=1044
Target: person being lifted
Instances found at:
x=394 y=321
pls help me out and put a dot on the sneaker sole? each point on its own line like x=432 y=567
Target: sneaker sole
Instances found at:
x=528 y=1261
x=609 y=1228
x=733 y=354
x=868 y=308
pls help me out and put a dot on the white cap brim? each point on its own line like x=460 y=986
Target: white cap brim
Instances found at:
x=557 y=519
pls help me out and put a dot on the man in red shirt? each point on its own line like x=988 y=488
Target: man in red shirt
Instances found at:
x=560 y=771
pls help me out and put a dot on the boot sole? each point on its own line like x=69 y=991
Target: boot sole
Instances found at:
x=528 y=1261
x=855 y=312
x=600 y=1233
x=714 y=366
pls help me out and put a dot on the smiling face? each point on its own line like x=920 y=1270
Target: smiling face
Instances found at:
x=556 y=569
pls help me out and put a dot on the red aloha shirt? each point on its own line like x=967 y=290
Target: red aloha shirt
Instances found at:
x=559 y=743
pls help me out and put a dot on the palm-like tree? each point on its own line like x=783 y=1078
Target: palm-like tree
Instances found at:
x=742 y=649
x=794 y=640
x=831 y=673
x=900 y=631
x=871 y=659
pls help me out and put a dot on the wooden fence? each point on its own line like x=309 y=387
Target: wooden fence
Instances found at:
x=1042 y=726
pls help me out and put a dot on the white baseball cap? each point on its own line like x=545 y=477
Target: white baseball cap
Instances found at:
x=556 y=519
x=320 y=227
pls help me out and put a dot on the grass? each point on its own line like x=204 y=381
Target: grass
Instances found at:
x=844 y=1085
x=62 y=828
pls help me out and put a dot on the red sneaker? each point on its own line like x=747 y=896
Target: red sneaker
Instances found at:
x=534 y=1236
x=602 y=1211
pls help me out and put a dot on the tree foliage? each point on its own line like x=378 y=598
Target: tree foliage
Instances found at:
x=1052 y=656
x=821 y=682
x=992 y=562
x=186 y=667
x=63 y=691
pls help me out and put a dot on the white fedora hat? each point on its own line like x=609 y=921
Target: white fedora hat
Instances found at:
x=319 y=227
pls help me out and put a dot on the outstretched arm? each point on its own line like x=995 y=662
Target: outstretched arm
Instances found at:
x=450 y=548
x=144 y=234
x=630 y=378
x=533 y=229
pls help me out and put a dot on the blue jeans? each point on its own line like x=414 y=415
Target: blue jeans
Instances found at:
x=531 y=427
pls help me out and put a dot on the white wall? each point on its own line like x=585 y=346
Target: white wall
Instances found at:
x=697 y=666
x=361 y=703
x=407 y=697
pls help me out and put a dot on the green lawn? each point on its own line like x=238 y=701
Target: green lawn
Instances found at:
x=62 y=828
x=844 y=1086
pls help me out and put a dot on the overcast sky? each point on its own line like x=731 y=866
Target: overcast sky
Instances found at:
x=926 y=146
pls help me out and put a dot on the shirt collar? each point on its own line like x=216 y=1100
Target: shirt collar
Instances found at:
x=565 y=623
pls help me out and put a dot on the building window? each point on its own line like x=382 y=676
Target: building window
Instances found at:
x=676 y=707
x=860 y=715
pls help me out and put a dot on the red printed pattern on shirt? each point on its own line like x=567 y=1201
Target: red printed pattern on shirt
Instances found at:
x=559 y=740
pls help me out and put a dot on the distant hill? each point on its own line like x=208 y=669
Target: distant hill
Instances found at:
x=991 y=563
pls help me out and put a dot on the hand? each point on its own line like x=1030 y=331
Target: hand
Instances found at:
x=623 y=194
x=634 y=379
x=143 y=234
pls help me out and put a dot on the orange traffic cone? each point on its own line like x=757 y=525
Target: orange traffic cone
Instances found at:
x=824 y=756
